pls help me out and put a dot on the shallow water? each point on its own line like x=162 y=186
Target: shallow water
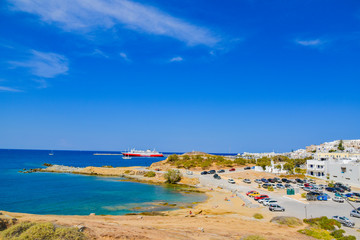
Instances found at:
x=68 y=194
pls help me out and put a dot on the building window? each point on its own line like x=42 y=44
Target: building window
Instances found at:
x=347 y=178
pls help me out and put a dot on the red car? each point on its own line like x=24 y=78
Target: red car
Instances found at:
x=260 y=197
x=231 y=169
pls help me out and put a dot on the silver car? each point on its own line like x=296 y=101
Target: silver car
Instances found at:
x=355 y=213
x=275 y=207
x=344 y=221
x=338 y=199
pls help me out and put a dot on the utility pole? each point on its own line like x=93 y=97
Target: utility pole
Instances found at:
x=305 y=212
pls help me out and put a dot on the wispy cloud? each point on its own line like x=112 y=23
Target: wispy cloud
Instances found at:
x=176 y=59
x=124 y=56
x=9 y=89
x=311 y=43
x=45 y=65
x=88 y=15
x=98 y=52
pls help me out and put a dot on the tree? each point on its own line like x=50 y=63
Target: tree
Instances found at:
x=263 y=162
x=173 y=158
x=278 y=166
x=173 y=176
x=289 y=167
x=341 y=146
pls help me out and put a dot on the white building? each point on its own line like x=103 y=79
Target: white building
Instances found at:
x=344 y=170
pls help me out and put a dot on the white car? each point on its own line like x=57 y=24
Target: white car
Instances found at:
x=338 y=199
x=230 y=180
x=263 y=199
x=355 y=213
x=247 y=181
x=269 y=202
x=344 y=221
x=189 y=173
x=275 y=207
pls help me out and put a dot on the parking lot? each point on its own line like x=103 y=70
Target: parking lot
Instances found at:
x=293 y=207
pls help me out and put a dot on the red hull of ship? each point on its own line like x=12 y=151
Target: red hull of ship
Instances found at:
x=142 y=155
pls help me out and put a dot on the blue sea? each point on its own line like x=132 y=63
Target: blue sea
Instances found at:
x=69 y=194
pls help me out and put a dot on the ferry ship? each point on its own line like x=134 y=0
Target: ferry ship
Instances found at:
x=142 y=153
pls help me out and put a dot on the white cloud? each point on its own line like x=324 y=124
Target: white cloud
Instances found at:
x=98 y=52
x=176 y=59
x=313 y=43
x=88 y=15
x=46 y=65
x=124 y=56
x=9 y=89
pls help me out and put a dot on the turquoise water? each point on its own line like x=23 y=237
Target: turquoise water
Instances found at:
x=68 y=194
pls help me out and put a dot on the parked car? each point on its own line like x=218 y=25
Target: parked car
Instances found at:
x=356 y=194
x=338 y=199
x=277 y=180
x=247 y=168
x=354 y=199
x=230 y=180
x=339 y=189
x=346 y=188
x=249 y=192
x=216 y=176
x=260 y=197
x=266 y=185
x=355 y=213
x=254 y=194
x=287 y=185
x=307 y=189
x=263 y=199
x=284 y=180
x=247 y=181
x=298 y=180
x=212 y=172
x=344 y=221
x=231 y=169
x=330 y=189
x=269 y=202
x=258 y=181
x=204 y=172
x=264 y=180
x=280 y=186
x=221 y=171
x=275 y=207
x=271 y=180
x=189 y=173
x=348 y=195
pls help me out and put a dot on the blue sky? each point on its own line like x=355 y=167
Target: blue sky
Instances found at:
x=237 y=75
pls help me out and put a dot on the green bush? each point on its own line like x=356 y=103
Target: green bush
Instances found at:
x=150 y=174
x=323 y=223
x=68 y=234
x=16 y=230
x=41 y=231
x=317 y=233
x=107 y=166
x=173 y=176
x=350 y=237
x=271 y=189
x=303 y=195
x=258 y=216
x=338 y=233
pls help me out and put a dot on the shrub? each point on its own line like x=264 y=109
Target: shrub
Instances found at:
x=253 y=237
x=350 y=237
x=317 y=233
x=16 y=230
x=39 y=231
x=173 y=176
x=107 y=166
x=303 y=195
x=258 y=216
x=323 y=223
x=271 y=189
x=289 y=221
x=338 y=233
x=173 y=158
x=150 y=174
x=68 y=234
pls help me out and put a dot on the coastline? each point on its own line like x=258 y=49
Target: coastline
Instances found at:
x=214 y=218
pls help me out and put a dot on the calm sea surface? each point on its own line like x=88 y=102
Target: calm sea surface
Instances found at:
x=68 y=194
